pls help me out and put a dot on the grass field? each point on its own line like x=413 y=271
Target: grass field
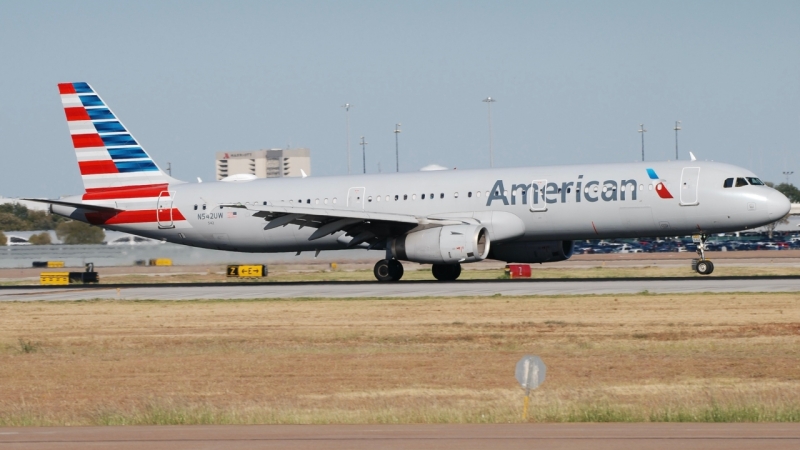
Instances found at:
x=726 y=357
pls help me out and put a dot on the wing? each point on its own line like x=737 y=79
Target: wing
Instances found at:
x=364 y=227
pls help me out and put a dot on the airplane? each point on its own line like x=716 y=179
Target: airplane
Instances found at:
x=442 y=218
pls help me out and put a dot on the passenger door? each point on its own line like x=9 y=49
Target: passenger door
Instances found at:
x=690 y=179
x=536 y=196
x=355 y=198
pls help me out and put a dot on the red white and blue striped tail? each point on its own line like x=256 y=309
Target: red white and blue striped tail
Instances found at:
x=111 y=161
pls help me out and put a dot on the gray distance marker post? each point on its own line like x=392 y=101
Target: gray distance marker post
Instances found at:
x=530 y=373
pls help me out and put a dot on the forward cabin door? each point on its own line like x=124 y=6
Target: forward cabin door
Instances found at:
x=355 y=198
x=690 y=180
x=164 y=210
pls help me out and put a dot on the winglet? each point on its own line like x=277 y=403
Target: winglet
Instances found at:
x=691 y=155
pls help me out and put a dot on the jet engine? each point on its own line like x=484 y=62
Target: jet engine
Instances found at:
x=443 y=245
x=532 y=252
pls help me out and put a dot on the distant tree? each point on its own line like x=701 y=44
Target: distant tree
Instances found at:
x=10 y=222
x=75 y=232
x=16 y=217
x=770 y=228
x=3 y=239
x=42 y=238
x=790 y=191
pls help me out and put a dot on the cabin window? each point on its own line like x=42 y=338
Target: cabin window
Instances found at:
x=755 y=181
x=396 y=197
x=334 y=200
x=650 y=186
x=204 y=207
x=478 y=194
x=265 y=203
x=741 y=182
x=308 y=201
x=441 y=195
x=405 y=196
x=378 y=198
x=413 y=196
x=455 y=195
x=469 y=194
x=387 y=198
x=316 y=201
x=423 y=196
x=487 y=193
x=325 y=201
x=728 y=183
x=195 y=207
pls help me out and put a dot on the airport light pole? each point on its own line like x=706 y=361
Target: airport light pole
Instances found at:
x=787 y=174
x=489 y=101
x=364 y=153
x=642 y=131
x=397 y=132
x=677 y=128
x=347 y=107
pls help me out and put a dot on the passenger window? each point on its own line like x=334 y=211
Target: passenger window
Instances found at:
x=195 y=207
x=316 y=201
x=641 y=187
x=413 y=196
x=204 y=207
x=325 y=201
x=478 y=194
x=432 y=196
x=728 y=183
x=369 y=199
x=334 y=200
x=405 y=196
x=469 y=194
x=308 y=201
x=396 y=197
x=387 y=198
x=423 y=196
x=741 y=182
x=441 y=195
x=265 y=203
x=455 y=195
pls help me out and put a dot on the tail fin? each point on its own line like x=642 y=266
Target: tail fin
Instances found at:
x=109 y=158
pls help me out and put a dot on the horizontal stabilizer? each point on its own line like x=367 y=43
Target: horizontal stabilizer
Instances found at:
x=74 y=205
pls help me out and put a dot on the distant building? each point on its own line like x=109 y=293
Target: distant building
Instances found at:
x=274 y=163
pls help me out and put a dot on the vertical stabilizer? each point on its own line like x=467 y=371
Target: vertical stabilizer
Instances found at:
x=109 y=158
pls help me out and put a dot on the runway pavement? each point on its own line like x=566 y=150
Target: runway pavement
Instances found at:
x=466 y=288
x=642 y=436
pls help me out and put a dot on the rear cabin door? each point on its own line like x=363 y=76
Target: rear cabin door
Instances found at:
x=164 y=210
x=690 y=178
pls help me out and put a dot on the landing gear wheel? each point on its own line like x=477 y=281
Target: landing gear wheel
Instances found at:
x=704 y=267
x=388 y=270
x=396 y=269
x=446 y=272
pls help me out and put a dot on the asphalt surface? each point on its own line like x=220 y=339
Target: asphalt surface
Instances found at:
x=642 y=436
x=467 y=288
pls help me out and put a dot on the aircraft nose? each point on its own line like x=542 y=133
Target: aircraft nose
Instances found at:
x=778 y=205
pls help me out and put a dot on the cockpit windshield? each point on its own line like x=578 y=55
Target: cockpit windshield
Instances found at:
x=741 y=182
x=755 y=181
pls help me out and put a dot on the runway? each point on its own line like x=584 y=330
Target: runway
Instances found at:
x=685 y=436
x=466 y=288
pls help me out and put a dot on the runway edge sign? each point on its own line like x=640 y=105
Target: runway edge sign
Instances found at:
x=530 y=374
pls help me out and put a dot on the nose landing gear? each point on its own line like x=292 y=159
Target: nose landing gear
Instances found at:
x=388 y=270
x=702 y=265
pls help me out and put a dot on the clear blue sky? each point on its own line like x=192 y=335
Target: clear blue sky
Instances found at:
x=572 y=80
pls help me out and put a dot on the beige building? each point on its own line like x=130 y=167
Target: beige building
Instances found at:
x=274 y=163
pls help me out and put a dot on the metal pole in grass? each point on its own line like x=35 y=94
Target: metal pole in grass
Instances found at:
x=530 y=374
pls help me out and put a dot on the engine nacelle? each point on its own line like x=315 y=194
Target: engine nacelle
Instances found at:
x=443 y=245
x=532 y=252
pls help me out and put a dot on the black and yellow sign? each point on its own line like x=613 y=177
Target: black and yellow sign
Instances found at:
x=250 y=270
x=54 y=278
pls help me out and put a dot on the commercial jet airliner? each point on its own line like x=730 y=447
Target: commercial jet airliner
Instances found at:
x=443 y=218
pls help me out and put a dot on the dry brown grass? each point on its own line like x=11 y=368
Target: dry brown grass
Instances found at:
x=639 y=357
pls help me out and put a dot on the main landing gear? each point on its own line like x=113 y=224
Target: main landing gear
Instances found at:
x=702 y=265
x=446 y=272
x=388 y=270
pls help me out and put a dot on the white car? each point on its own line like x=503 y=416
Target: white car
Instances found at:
x=16 y=240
